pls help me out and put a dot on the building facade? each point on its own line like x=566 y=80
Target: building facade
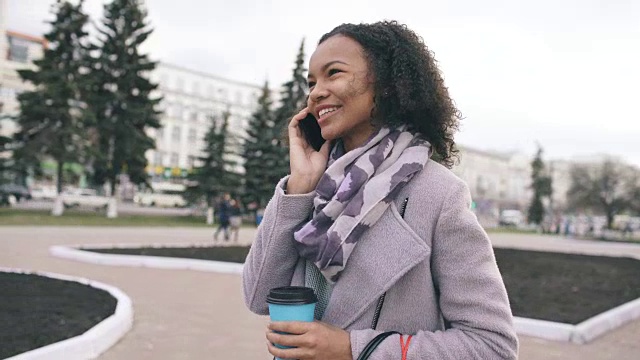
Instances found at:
x=17 y=52
x=497 y=181
x=191 y=100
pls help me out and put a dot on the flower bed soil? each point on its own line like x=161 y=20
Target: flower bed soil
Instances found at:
x=235 y=254
x=558 y=287
x=566 y=288
x=36 y=311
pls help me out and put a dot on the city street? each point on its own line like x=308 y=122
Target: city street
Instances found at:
x=181 y=314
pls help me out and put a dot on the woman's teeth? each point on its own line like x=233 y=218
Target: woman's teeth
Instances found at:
x=327 y=110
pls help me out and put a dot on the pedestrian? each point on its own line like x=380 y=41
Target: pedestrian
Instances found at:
x=235 y=219
x=374 y=221
x=223 y=211
x=627 y=230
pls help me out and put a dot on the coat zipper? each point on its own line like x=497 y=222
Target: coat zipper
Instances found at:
x=376 y=315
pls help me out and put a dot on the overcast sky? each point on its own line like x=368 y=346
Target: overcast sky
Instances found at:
x=564 y=73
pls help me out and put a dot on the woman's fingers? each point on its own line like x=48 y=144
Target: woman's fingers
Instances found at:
x=310 y=340
x=291 y=327
x=294 y=353
x=324 y=150
x=294 y=130
x=283 y=339
x=297 y=117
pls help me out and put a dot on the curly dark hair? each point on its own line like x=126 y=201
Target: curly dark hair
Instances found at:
x=408 y=87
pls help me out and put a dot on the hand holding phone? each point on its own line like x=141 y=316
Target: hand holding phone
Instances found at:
x=308 y=153
x=311 y=131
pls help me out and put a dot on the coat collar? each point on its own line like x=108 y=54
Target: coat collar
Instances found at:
x=386 y=252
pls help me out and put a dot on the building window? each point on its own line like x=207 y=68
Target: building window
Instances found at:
x=164 y=81
x=192 y=136
x=191 y=161
x=8 y=93
x=239 y=98
x=223 y=95
x=196 y=89
x=175 y=134
x=252 y=98
x=174 y=159
x=179 y=84
x=157 y=158
x=160 y=133
x=18 y=50
x=194 y=116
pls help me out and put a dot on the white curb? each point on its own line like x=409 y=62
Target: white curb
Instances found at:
x=159 y=262
x=95 y=340
x=608 y=320
x=585 y=331
x=543 y=329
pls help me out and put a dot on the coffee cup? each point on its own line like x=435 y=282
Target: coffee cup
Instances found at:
x=291 y=303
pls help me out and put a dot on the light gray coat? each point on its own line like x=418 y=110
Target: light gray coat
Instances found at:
x=436 y=265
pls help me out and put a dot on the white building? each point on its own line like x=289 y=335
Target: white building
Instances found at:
x=560 y=171
x=17 y=52
x=497 y=181
x=190 y=99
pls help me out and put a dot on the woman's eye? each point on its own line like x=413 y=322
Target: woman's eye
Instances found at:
x=310 y=85
x=334 y=71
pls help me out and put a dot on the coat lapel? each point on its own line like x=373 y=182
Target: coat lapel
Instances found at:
x=385 y=253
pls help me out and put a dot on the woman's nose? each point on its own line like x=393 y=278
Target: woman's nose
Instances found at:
x=318 y=93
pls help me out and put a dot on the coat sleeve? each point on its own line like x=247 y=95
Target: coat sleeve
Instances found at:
x=273 y=257
x=472 y=296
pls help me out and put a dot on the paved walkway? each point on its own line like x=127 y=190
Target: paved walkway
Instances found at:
x=177 y=317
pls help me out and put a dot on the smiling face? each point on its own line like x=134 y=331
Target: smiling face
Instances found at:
x=341 y=91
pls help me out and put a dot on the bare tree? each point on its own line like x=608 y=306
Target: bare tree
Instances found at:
x=610 y=187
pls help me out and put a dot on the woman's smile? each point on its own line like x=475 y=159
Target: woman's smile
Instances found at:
x=326 y=113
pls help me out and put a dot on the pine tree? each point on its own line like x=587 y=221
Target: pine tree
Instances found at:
x=216 y=174
x=4 y=161
x=542 y=187
x=52 y=116
x=292 y=99
x=258 y=152
x=121 y=95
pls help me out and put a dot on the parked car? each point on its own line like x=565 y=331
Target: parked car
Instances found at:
x=84 y=198
x=162 y=195
x=47 y=193
x=511 y=218
x=18 y=192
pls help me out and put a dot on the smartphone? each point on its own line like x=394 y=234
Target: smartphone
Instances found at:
x=311 y=130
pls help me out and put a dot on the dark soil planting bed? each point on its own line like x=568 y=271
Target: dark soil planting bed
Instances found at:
x=222 y=253
x=541 y=285
x=565 y=287
x=36 y=311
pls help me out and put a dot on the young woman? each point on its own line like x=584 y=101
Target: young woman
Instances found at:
x=375 y=217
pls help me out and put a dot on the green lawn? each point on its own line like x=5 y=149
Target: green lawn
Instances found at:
x=510 y=230
x=76 y=218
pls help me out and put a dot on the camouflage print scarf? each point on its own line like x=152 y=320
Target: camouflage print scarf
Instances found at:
x=354 y=192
